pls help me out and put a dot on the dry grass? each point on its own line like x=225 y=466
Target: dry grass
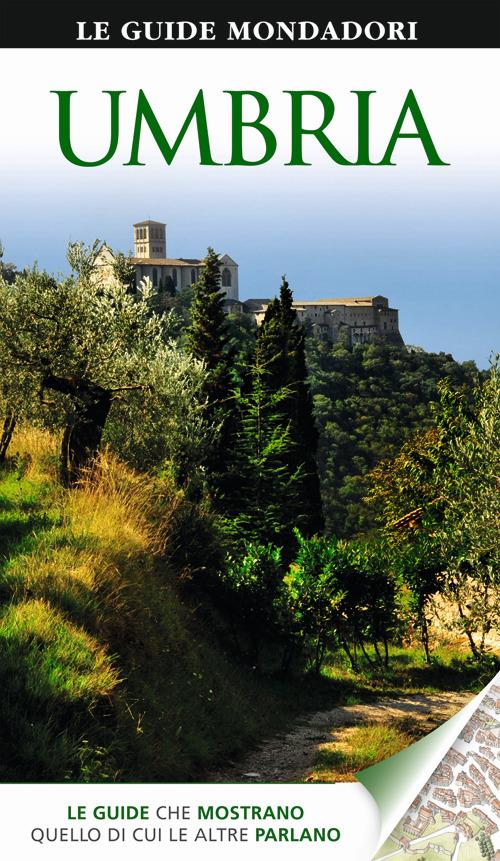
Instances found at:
x=119 y=507
x=72 y=583
x=109 y=675
x=444 y=625
x=88 y=560
x=112 y=503
x=37 y=450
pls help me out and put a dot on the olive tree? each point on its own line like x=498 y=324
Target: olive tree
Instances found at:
x=85 y=346
x=439 y=501
x=469 y=484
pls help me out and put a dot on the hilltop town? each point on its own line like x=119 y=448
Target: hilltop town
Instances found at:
x=354 y=320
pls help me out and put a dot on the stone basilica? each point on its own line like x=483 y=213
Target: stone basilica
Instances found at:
x=353 y=319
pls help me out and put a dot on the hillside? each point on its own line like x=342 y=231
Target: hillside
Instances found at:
x=169 y=590
x=105 y=673
x=368 y=400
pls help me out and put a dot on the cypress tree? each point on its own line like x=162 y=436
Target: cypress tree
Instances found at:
x=281 y=345
x=264 y=486
x=208 y=340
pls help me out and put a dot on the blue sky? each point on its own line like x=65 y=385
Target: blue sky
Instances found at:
x=425 y=237
x=415 y=236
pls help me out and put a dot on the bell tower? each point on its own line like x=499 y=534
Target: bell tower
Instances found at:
x=150 y=240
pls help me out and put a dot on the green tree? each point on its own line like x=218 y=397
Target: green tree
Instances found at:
x=264 y=490
x=368 y=400
x=342 y=595
x=207 y=340
x=8 y=271
x=485 y=845
x=254 y=597
x=315 y=598
x=371 y=586
x=439 y=501
x=281 y=352
x=92 y=346
x=242 y=331
x=420 y=566
x=124 y=271
x=9 y=404
x=169 y=287
x=468 y=483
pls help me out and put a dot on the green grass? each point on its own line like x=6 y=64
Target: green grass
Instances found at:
x=450 y=669
x=54 y=659
x=364 y=745
x=106 y=671
x=106 y=674
x=23 y=512
x=408 y=673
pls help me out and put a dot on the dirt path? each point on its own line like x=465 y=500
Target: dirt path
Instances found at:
x=290 y=756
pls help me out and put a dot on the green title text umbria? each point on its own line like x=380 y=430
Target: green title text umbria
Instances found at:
x=248 y=113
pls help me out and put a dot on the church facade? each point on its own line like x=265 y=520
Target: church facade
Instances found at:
x=354 y=320
x=150 y=261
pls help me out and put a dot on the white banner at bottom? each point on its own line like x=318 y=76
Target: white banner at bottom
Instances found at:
x=178 y=821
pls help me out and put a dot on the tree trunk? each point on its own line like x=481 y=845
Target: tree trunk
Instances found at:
x=486 y=624
x=376 y=649
x=365 y=653
x=352 y=661
x=468 y=632
x=8 y=429
x=319 y=654
x=386 y=651
x=82 y=436
x=425 y=638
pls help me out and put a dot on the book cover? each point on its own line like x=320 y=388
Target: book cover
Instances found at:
x=249 y=431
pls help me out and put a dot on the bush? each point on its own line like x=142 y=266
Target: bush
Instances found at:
x=253 y=594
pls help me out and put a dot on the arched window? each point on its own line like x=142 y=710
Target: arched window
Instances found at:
x=174 y=277
x=193 y=276
x=226 y=278
x=155 y=277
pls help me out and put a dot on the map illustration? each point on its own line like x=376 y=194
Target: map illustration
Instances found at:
x=456 y=816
